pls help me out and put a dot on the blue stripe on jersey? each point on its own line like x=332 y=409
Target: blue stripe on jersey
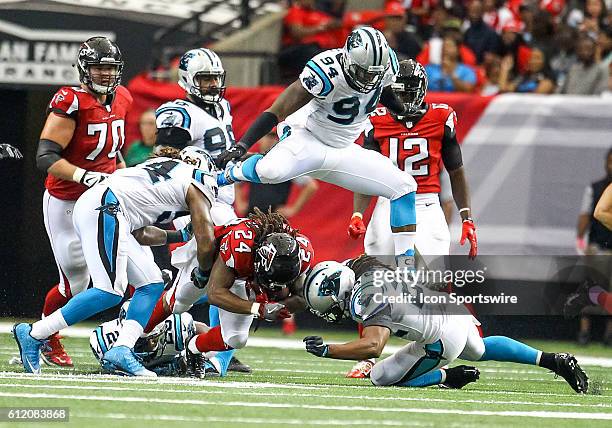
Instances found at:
x=200 y=175
x=327 y=84
x=103 y=347
x=394 y=61
x=179 y=342
x=186 y=117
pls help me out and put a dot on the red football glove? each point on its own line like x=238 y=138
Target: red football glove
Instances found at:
x=356 y=227
x=469 y=232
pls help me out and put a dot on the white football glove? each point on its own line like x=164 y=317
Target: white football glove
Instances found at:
x=89 y=178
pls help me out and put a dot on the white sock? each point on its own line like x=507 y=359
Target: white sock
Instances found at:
x=49 y=325
x=403 y=242
x=130 y=332
x=192 y=345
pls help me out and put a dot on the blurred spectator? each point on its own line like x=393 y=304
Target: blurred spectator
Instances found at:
x=432 y=51
x=275 y=196
x=307 y=31
x=492 y=72
x=591 y=18
x=604 y=44
x=402 y=41
x=554 y=7
x=564 y=57
x=451 y=75
x=542 y=32
x=514 y=46
x=538 y=79
x=479 y=37
x=586 y=76
x=140 y=150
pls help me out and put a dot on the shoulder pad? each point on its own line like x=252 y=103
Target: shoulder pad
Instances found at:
x=319 y=74
x=65 y=102
x=122 y=91
x=170 y=115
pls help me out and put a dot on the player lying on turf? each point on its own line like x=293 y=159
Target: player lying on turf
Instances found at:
x=269 y=256
x=112 y=220
x=162 y=350
x=334 y=291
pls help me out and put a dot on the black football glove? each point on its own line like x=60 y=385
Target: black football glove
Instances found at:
x=315 y=345
x=235 y=152
x=9 y=152
x=199 y=277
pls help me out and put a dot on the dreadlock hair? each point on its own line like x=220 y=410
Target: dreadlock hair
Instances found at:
x=364 y=263
x=265 y=223
x=165 y=152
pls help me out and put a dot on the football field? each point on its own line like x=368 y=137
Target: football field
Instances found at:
x=289 y=387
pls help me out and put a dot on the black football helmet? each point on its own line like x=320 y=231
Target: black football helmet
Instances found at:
x=411 y=86
x=99 y=51
x=277 y=261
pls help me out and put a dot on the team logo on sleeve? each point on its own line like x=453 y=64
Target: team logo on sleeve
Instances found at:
x=310 y=82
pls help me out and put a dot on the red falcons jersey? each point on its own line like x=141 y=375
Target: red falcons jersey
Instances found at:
x=237 y=243
x=98 y=136
x=414 y=147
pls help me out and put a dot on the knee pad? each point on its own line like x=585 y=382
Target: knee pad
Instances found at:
x=269 y=172
x=377 y=375
x=236 y=341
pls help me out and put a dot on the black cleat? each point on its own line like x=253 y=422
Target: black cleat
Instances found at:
x=195 y=365
x=236 y=366
x=568 y=369
x=578 y=300
x=458 y=377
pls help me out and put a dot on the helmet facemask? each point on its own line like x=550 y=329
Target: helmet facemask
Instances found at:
x=411 y=86
x=339 y=308
x=152 y=346
x=104 y=54
x=214 y=91
x=364 y=80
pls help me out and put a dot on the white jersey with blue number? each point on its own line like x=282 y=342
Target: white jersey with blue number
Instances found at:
x=338 y=113
x=179 y=327
x=155 y=190
x=410 y=312
x=209 y=130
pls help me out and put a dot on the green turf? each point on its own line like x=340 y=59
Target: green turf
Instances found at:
x=291 y=387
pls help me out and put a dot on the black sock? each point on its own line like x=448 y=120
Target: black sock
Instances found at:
x=547 y=360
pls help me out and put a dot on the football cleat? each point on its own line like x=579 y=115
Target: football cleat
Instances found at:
x=236 y=366
x=55 y=354
x=29 y=348
x=122 y=360
x=577 y=301
x=362 y=369
x=195 y=365
x=568 y=369
x=458 y=377
x=210 y=370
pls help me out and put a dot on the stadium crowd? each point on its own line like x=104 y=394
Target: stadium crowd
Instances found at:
x=472 y=46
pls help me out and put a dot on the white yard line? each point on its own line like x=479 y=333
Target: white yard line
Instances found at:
x=258 y=421
x=352 y=409
x=302 y=395
x=260 y=342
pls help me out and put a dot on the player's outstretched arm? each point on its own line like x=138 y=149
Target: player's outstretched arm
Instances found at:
x=290 y=100
x=221 y=280
x=603 y=209
x=370 y=345
x=154 y=236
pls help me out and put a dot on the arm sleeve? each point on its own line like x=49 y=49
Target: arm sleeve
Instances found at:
x=587 y=201
x=451 y=151
x=369 y=142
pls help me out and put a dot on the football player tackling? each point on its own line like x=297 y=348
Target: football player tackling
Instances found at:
x=438 y=333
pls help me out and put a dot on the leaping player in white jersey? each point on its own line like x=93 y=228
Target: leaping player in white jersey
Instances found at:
x=202 y=119
x=112 y=220
x=321 y=116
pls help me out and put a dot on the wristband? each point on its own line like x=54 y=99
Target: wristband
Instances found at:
x=357 y=214
x=255 y=308
x=464 y=209
x=78 y=175
x=174 y=236
x=467 y=219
